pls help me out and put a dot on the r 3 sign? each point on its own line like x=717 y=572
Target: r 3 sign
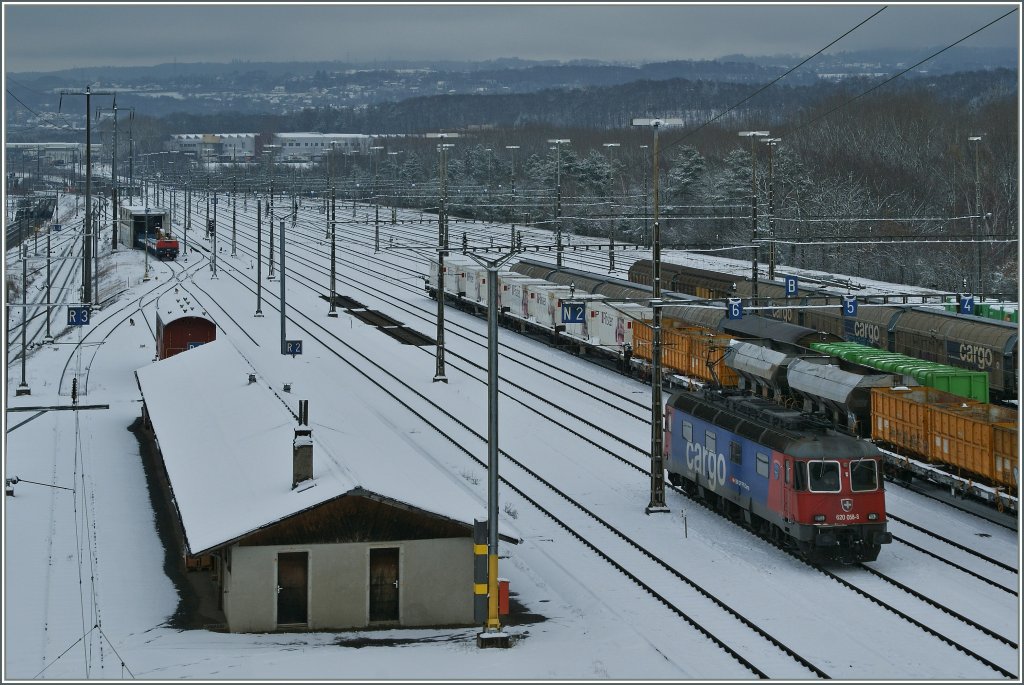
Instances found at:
x=78 y=316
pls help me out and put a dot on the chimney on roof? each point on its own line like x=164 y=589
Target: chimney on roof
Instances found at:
x=302 y=447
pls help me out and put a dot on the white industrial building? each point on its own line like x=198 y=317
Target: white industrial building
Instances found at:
x=313 y=146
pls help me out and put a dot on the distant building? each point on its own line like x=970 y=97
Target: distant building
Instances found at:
x=348 y=528
x=313 y=146
x=215 y=147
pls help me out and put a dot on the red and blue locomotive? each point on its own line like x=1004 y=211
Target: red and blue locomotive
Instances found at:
x=785 y=474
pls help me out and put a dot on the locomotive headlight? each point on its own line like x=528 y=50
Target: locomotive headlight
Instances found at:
x=872 y=517
x=819 y=518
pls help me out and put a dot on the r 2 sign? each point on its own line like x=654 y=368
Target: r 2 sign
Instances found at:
x=573 y=312
x=293 y=347
x=849 y=305
x=78 y=316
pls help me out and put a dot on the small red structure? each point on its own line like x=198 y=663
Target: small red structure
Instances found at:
x=181 y=324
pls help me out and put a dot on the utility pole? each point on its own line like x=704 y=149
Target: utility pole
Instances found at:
x=282 y=290
x=753 y=135
x=188 y=212
x=771 y=143
x=376 y=199
x=213 y=261
x=558 y=197
x=332 y=312
x=657 y=501
x=259 y=255
x=23 y=388
x=87 y=294
x=442 y=246
x=234 y=215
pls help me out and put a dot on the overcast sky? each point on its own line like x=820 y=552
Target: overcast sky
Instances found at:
x=49 y=36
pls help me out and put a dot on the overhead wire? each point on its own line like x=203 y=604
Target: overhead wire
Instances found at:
x=772 y=82
x=896 y=76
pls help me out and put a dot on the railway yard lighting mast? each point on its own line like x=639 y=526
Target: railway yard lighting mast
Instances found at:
x=558 y=197
x=771 y=143
x=611 y=222
x=442 y=246
x=657 y=502
x=647 y=228
x=512 y=151
x=753 y=135
x=977 y=210
x=394 y=186
x=376 y=198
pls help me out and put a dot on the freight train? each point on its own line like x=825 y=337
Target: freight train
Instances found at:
x=925 y=332
x=698 y=346
x=783 y=473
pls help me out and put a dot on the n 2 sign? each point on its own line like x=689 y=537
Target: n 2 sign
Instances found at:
x=78 y=316
x=734 y=308
x=849 y=305
x=573 y=312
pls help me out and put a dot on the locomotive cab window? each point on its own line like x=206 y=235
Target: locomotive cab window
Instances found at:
x=800 y=475
x=687 y=431
x=735 y=453
x=823 y=476
x=863 y=475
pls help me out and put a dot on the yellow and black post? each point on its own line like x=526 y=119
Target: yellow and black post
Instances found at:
x=479 y=571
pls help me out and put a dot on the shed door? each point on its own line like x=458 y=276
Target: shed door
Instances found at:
x=292 y=589
x=384 y=584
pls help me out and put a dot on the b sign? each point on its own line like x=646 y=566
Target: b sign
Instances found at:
x=78 y=316
x=734 y=308
x=967 y=304
x=573 y=312
x=849 y=305
x=791 y=286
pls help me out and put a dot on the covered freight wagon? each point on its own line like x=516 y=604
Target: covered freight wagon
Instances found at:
x=181 y=324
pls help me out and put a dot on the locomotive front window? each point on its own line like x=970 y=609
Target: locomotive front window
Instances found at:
x=823 y=476
x=864 y=475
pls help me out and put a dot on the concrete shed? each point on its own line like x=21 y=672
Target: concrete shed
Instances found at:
x=302 y=532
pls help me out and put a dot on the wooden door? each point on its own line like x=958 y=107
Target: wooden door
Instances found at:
x=384 y=584
x=292 y=588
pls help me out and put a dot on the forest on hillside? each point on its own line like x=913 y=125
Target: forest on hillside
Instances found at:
x=858 y=168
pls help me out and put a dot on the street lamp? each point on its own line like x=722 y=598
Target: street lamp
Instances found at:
x=977 y=209
x=753 y=135
x=771 y=143
x=558 y=197
x=657 y=501
x=611 y=222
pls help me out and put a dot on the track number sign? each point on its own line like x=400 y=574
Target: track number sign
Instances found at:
x=573 y=312
x=293 y=347
x=734 y=308
x=78 y=316
x=849 y=305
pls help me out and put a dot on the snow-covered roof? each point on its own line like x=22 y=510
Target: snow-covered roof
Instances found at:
x=227 y=447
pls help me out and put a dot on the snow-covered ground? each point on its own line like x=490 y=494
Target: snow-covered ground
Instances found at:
x=86 y=596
